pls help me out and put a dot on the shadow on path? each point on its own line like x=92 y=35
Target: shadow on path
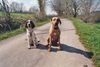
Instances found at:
x=76 y=50
x=69 y=49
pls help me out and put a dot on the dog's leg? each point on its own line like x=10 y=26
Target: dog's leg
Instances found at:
x=59 y=45
x=34 y=40
x=49 y=44
x=48 y=40
x=37 y=41
x=29 y=43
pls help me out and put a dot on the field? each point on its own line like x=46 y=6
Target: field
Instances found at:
x=90 y=36
x=20 y=18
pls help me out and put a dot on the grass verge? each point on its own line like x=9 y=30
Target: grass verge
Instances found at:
x=90 y=36
x=12 y=33
x=19 y=31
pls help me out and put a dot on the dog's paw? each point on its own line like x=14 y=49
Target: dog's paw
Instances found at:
x=38 y=41
x=34 y=46
x=47 y=45
x=59 y=49
x=29 y=47
x=26 y=39
x=49 y=49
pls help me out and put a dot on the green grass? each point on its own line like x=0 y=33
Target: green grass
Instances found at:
x=10 y=34
x=39 y=23
x=90 y=36
x=21 y=17
x=1 y=13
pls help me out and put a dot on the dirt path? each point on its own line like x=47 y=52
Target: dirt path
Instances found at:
x=14 y=51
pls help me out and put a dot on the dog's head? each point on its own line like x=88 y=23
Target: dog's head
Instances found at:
x=29 y=24
x=55 y=21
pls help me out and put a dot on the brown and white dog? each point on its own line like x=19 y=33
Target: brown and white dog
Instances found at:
x=54 y=33
x=31 y=36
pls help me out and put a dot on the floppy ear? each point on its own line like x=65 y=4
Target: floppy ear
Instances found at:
x=59 y=21
x=51 y=19
x=26 y=24
x=32 y=23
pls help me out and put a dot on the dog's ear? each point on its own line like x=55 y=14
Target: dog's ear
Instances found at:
x=26 y=24
x=51 y=19
x=32 y=23
x=59 y=20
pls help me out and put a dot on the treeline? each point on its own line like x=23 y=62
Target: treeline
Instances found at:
x=84 y=9
x=16 y=7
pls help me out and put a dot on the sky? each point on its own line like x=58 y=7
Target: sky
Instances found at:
x=27 y=3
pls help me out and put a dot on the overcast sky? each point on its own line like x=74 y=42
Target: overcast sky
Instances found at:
x=27 y=3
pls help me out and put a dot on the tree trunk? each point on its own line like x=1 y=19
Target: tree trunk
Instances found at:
x=42 y=8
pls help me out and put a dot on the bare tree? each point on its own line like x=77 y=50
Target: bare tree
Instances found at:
x=81 y=7
x=68 y=7
x=5 y=8
x=42 y=8
x=75 y=7
x=58 y=6
x=72 y=7
x=13 y=6
x=16 y=7
x=33 y=9
x=0 y=8
x=87 y=7
x=21 y=7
